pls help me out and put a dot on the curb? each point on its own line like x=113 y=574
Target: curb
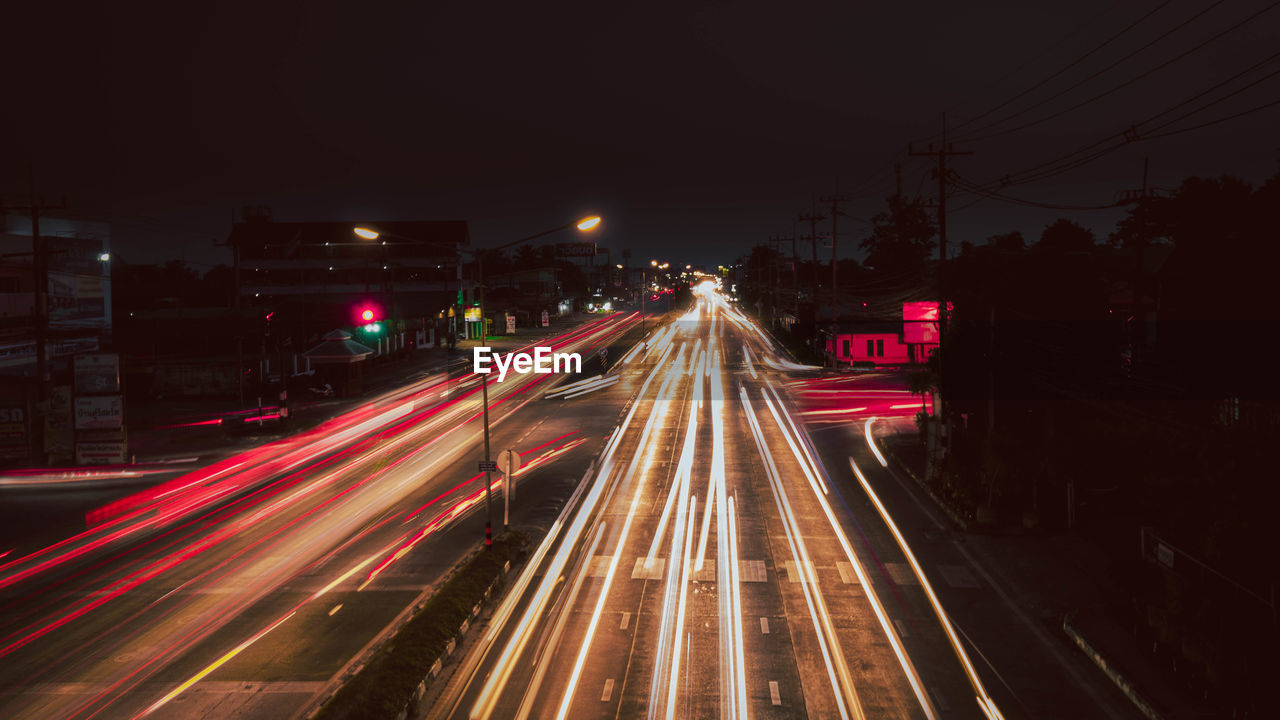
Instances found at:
x=962 y=522
x=1120 y=681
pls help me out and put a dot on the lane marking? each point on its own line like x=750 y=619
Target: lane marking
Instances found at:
x=335 y=609
x=902 y=629
x=774 y=696
x=608 y=690
x=626 y=620
x=764 y=626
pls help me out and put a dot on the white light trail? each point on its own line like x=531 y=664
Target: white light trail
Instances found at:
x=984 y=700
x=866 y=432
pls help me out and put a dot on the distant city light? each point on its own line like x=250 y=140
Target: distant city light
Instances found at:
x=366 y=233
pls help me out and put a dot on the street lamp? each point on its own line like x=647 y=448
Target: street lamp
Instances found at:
x=583 y=225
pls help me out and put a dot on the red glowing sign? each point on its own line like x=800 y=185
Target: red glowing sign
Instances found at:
x=920 y=322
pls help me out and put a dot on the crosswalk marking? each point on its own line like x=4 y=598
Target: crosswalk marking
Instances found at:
x=649 y=571
x=901 y=574
x=958 y=576
x=774 y=695
x=847 y=574
x=793 y=572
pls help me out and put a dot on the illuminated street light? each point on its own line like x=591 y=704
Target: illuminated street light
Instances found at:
x=584 y=225
x=653 y=263
x=104 y=257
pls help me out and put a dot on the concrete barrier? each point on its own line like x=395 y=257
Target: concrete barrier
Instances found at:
x=1120 y=681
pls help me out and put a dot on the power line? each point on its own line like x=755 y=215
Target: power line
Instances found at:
x=1126 y=83
x=1087 y=153
x=1066 y=67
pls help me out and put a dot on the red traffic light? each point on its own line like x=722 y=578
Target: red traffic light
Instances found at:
x=366 y=312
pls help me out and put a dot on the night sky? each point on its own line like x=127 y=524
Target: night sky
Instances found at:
x=697 y=130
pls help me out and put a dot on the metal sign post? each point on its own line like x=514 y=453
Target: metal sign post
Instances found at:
x=509 y=464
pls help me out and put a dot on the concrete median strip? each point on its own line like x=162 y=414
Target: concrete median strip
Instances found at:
x=1120 y=681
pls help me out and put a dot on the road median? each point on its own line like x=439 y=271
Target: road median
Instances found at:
x=392 y=682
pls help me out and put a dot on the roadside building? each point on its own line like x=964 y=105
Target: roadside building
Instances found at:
x=315 y=276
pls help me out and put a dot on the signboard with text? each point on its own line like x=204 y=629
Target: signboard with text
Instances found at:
x=97 y=373
x=99 y=453
x=578 y=249
x=104 y=412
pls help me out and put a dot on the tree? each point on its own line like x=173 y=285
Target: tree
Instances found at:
x=1066 y=236
x=1007 y=241
x=901 y=236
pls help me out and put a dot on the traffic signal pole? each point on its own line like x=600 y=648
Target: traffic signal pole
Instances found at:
x=484 y=399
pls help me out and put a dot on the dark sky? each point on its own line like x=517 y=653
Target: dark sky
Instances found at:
x=696 y=129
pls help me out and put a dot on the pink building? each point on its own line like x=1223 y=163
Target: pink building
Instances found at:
x=911 y=340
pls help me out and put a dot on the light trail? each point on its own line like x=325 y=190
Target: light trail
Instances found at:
x=746 y=356
x=839 y=678
x=873 y=599
x=866 y=433
x=504 y=666
x=984 y=699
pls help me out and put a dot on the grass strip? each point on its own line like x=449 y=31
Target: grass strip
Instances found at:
x=383 y=687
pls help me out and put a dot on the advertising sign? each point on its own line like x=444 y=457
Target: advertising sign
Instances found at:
x=511 y=324
x=920 y=322
x=472 y=314
x=99 y=453
x=577 y=249
x=97 y=373
x=105 y=412
x=13 y=431
x=546 y=318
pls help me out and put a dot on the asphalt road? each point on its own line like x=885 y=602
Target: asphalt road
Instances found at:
x=241 y=589
x=718 y=538
x=708 y=567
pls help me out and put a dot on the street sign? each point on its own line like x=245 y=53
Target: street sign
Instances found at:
x=604 y=352
x=97 y=373
x=546 y=319
x=577 y=249
x=509 y=461
x=102 y=412
x=488 y=466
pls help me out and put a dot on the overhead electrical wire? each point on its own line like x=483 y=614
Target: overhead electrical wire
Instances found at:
x=1066 y=67
x=973 y=137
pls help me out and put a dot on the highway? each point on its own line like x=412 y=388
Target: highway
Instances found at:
x=710 y=566
x=241 y=588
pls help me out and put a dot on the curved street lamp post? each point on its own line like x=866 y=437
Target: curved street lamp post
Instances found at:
x=583 y=225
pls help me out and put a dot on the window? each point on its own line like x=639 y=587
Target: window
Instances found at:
x=844 y=348
x=879 y=348
x=871 y=348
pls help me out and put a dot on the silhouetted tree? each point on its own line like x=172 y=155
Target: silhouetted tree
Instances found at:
x=1007 y=241
x=1066 y=236
x=901 y=236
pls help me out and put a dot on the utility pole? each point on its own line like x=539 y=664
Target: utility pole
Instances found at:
x=775 y=241
x=836 y=212
x=812 y=218
x=943 y=151
x=40 y=279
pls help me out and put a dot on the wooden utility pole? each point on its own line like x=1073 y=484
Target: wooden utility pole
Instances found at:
x=40 y=279
x=835 y=200
x=943 y=151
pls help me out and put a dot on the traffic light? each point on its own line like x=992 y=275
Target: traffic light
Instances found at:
x=366 y=313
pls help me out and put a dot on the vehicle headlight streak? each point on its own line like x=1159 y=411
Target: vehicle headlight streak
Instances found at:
x=661 y=403
x=866 y=433
x=833 y=658
x=505 y=664
x=904 y=660
x=984 y=700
